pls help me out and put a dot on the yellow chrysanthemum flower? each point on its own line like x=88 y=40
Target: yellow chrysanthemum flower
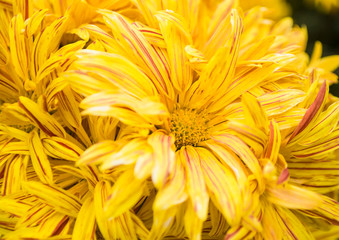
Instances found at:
x=325 y=5
x=198 y=121
x=276 y=9
x=189 y=134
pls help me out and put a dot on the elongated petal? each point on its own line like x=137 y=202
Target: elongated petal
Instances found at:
x=251 y=135
x=254 y=111
x=129 y=154
x=193 y=223
x=222 y=185
x=324 y=125
x=101 y=193
x=239 y=147
x=220 y=69
x=195 y=183
x=14 y=174
x=84 y=227
x=163 y=157
x=141 y=51
x=162 y=222
x=61 y=148
x=41 y=119
x=18 y=47
x=310 y=116
x=69 y=108
x=149 y=110
x=274 y=142
x=39 y=159
x=61 y=200
x=328 y=210
x=291 y=225
x=175 y=36
x=229 y=160
x=280 y=101
x=126 y=192
x=125 y=75
x=174 y=191
x=293 y=197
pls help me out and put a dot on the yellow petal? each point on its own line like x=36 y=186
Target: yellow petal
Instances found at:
x=280 y=101
x=126 y=192
x=290 y=196
x=273 y=147
x=61 y=148
x=291 y=226
x=195 y=183
x=141 y=52
x=14 y=174
x=163 y=156
x=176 y=38
x=39 y=159
x=247 y=156
x=311 y=115
x=224 y=190
x=193 y=224
x=254 y=111
x=173 y=192
x=60 y=199
x=84 y=227
x=128 y=154
x=101 y=193
x=41 y=119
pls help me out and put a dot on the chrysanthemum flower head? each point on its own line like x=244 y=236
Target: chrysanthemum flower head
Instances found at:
x=325 y=5
x=198 y=120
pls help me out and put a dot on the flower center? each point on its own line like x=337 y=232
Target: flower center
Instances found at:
x=188 y=126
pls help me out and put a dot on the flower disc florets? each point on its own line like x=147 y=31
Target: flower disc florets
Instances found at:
x=188 y=126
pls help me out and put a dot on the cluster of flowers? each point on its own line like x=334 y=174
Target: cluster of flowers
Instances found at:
x=163 y=119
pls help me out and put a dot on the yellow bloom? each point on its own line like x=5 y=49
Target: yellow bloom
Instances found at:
x=276 y=9
x=325 y=5
x=163 y=120
x=285 y=183
x=190 y=153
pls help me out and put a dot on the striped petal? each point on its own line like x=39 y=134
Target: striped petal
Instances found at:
x=126 y=192
x=60 y=199
x=14 y=174
x=290 y=196
x=230 y=160
x=84 y=227
x=291 y=225
x=94 y=71
x=193 y=223
x=140 y=51
x=61 y=148
x=126 y=108
x=195 y=183
x=274 y=142
x=101 y=193
x=254 y=111
x=219 y=71
x=39 y=159
x=324 y=125
x=311 y=115
x=44 y=121
x=223 y=187
x=164 y=157
x=173 y=192
x=241 y=149
x=280 y=101
x=176 y=38
x=128 y=154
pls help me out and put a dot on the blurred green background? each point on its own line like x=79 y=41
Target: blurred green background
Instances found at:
x=323 y=27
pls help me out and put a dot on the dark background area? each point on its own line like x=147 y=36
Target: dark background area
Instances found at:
x=323 y=27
